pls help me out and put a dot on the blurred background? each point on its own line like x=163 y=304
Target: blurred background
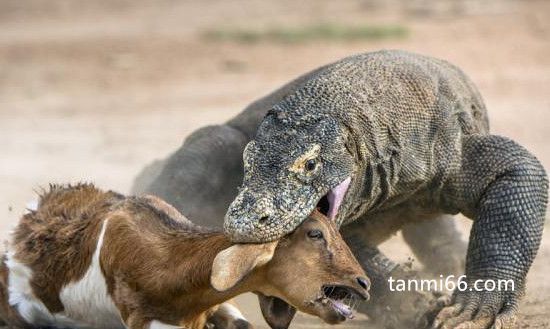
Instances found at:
x=94 y=90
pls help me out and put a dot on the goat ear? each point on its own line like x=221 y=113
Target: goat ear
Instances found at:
x=234 y=263
x=277 y=313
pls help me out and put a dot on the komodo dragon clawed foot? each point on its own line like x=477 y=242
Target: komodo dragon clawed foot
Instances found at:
x=479 y=310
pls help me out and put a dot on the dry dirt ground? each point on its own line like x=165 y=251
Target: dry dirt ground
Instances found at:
x=93 y=91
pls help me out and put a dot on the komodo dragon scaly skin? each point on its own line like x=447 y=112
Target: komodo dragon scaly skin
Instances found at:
x=381 y=132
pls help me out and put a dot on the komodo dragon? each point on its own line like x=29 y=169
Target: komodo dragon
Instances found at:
x=378 y=141
x=201 y=179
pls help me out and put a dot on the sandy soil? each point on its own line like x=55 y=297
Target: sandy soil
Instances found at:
x=93 y=91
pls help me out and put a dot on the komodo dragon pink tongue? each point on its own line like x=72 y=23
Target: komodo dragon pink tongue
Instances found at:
x=335 y=197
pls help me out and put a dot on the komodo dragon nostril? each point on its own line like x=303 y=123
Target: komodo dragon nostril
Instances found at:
x=263 y=219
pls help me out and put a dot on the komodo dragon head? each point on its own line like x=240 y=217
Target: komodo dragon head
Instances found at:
x=299 y=160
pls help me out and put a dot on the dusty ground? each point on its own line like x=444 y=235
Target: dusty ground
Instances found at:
x=93 y=91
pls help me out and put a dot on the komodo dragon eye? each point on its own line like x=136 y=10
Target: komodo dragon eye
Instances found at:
x=311 y=164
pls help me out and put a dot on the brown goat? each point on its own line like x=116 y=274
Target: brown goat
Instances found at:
x=92 y=259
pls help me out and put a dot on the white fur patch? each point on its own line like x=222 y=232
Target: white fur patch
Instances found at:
x=86 y=302
x=155 y=324
x=21 y=295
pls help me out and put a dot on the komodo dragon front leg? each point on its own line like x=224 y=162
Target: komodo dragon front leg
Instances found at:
x=503 y=189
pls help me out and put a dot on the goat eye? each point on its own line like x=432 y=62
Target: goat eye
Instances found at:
x=315 y=234
x=311 y=164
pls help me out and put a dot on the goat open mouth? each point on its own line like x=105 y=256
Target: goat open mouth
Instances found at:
x=344 y=300
x=330 y=203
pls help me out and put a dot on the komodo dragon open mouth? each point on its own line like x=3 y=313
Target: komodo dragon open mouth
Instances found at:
x=330 y=203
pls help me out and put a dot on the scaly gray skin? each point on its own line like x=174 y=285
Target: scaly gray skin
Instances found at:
x=384 y=132
x=201 y=179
